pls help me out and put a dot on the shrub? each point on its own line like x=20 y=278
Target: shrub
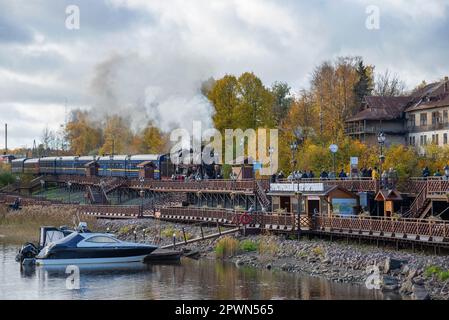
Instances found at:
x=268 y=247
x=318 y=251
x=432 y=270
x=169 y=231
x=248 y=246
x=226 y=247
x=443 y=275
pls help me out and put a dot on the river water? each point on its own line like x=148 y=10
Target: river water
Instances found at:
x=190 y=279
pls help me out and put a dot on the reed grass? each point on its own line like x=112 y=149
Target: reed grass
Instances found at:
x=17 y=227
x=226 y=247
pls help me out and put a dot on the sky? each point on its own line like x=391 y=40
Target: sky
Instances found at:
x=147 y=59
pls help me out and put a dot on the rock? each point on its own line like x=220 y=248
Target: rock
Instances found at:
x=419 y=281
x=405 y=269
x=412 y=273
x=393 y=264
x=239 y=262
x=389 y=283
x=419 y=293
x=406 y=287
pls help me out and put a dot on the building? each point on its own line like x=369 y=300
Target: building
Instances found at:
x=379 y=114
x=418 y=119
x=427 y=120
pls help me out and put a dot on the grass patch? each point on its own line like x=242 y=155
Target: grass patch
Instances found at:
x=318 y=251
x=226 y=246
x=268 y=247
x=169 y=231
x=17 y=227
x=441 y=274
x=249 y=246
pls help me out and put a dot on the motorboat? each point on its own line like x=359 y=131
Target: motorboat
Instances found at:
x=80 y=246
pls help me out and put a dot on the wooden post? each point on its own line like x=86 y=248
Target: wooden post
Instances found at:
x=184 y=235
x=202 y=234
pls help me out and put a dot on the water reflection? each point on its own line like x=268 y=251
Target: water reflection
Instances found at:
x=202 y=279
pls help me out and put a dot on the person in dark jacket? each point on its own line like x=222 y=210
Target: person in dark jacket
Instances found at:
x=342 y=174
x=324 y=175
x=426 y=172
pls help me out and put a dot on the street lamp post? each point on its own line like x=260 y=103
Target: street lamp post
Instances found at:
x=111 y=157
x=69 y=185
x=293 y=148
x=298 y=199
x=381 y=140
x=142 y=195
x=333 y=149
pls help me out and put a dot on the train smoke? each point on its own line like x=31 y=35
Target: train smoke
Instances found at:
x=162 y=88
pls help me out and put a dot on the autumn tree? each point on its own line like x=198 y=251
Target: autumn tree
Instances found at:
x=282 y=101
x=255 y=103
x=152 y=140
x=118 y=136
x=223 y=96
x=83 y=135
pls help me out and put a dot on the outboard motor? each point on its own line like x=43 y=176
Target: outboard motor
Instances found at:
x=28 y=251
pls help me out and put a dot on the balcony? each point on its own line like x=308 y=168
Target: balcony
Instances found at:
x=429 y=127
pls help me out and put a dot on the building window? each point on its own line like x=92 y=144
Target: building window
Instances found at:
x=423 y=119
x=412 y=140
x=445 y=116
x=412 y=121
x=435 y=118
x=423 y=140
x=445 y=138
x=435 y=139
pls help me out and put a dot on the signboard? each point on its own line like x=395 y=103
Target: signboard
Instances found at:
x=257 y=165
x=354 y=161
x=344 y=206
x=294 y=187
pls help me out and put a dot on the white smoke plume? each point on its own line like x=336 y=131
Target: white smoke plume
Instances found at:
x=157 y=87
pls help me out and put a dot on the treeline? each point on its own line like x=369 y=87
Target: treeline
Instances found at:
x=113 y=135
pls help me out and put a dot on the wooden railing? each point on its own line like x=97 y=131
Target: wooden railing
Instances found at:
x=203 y=185
x=407 y=226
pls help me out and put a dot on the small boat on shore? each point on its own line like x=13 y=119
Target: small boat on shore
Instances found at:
x=63 y=247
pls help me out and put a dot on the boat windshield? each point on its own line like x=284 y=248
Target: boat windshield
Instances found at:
x=66 y=239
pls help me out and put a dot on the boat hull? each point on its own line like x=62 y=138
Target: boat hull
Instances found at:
x=78 y=261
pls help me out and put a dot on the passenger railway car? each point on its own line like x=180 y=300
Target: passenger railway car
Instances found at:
x=17 y=165
x=82 y=162
x=47 y=165
x=31 y=166
x=112 y=166
x=162 y=165
x=108 y=166
x=66 y=165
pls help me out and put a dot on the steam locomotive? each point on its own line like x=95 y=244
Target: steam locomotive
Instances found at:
x=106 y=166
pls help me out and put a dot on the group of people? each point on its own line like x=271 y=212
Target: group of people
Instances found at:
x=427 y=173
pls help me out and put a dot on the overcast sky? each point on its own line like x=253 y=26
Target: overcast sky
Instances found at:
x=148 y=57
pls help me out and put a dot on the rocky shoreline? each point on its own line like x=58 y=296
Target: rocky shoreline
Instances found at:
x=409 y=274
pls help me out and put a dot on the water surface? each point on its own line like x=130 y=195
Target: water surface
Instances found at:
x=191 y=279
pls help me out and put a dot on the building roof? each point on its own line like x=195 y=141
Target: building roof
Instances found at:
x=433 y=95
x=433 y=102
x=381 y=108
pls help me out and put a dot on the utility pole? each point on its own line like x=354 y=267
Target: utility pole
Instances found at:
x=6 y=138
